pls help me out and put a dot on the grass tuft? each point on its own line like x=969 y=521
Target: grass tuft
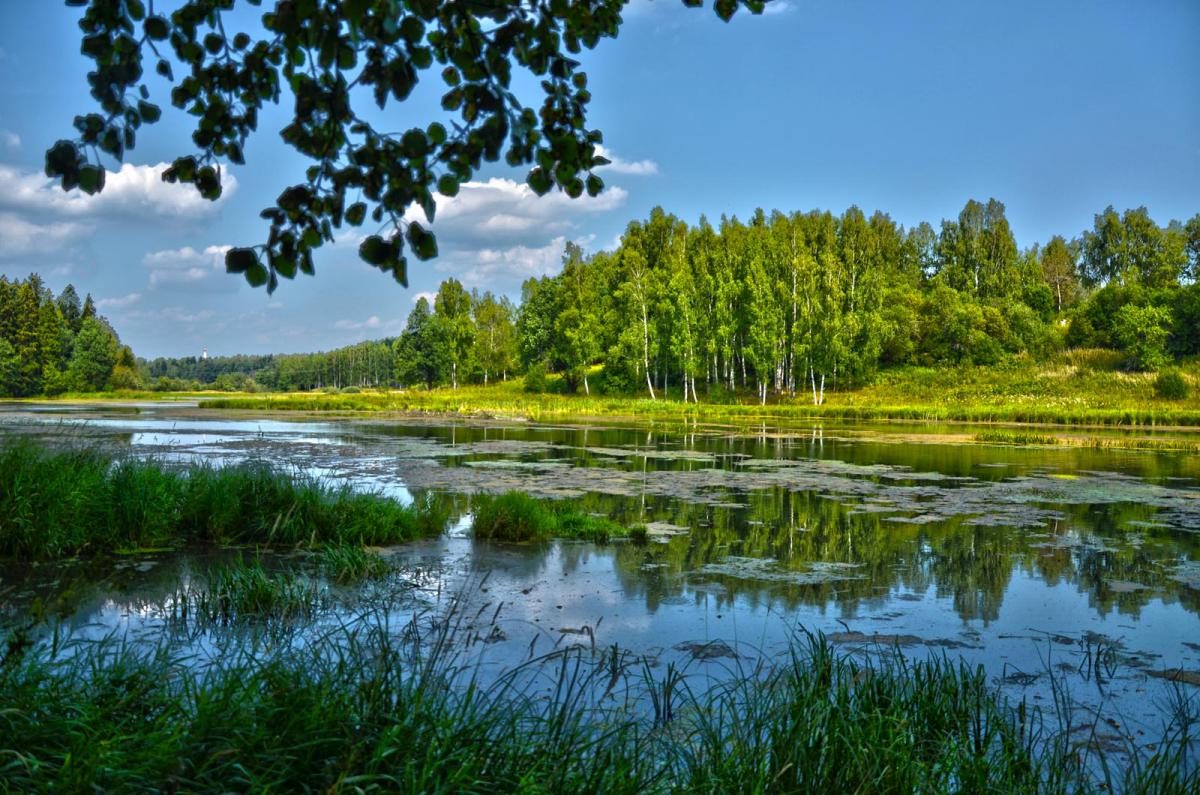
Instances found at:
x=516 y=517
x=56 y=504
x=345 y=563
x=246 y=591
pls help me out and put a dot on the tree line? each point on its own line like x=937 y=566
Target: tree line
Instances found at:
x=462 y=337
x=52 y=344
x=807 y=302
x=786 y=304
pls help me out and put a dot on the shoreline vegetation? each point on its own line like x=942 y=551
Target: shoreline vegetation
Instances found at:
x=62 y=503
x=357 y=708
x=358 y=711
x=1074 y=389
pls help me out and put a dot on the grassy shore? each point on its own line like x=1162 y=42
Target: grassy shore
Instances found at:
x=357 y=713
x=55 y=504
x=1076 y=388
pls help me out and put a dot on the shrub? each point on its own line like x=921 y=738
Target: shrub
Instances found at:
x=535 y=377
x=1171 y=385
x=350 y=390
x=1141 y=332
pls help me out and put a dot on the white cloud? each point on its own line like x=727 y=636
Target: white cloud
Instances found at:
x=427 y=296
x=503 y=211
x=19 y=236
x=172 y=314
x=133 y=192
x=123 y=302
x=495 y=268
x=496 y=234
x=637 y=168
x=774 y=7
x=10 y=140
x=352 y=325
x=191 y=268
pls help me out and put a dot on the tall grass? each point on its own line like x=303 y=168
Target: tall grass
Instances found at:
x=61 y=503
x=517 y=517
x=357 y=713
x=246 y=591
x=346 y=563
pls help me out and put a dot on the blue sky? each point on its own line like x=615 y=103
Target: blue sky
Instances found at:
x=1057 y=109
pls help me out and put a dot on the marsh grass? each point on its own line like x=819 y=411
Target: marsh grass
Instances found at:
x=1015 y=437
x=356 y=711
x=61 y=503
x=346 y=563
x=241 y=591
x=517 y=517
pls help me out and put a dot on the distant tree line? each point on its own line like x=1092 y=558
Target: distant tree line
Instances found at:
x=462 y=337
x=52 y=344
x=787 y=304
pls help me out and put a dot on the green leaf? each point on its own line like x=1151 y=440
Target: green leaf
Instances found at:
x=149 y=112
x=539 y=180
x=156 y=27
x=356 y=213
x=447 y=185
x=241 y=260
x=375 y=250
x=423 y=243
x=257 y=275
x=91 y=179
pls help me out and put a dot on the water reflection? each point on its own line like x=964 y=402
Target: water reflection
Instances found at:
x=847 y=529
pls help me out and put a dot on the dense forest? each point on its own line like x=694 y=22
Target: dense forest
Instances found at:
x=781 y=304
x=50 y=344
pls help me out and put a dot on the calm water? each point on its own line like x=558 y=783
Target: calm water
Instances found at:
x=1035 y=562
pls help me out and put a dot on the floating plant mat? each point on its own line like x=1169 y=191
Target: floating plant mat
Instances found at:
x=769 y=570
x=1187 y=573
x=900 y=494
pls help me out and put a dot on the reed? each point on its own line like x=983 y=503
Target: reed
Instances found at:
x=60 y=503
x=357 y=712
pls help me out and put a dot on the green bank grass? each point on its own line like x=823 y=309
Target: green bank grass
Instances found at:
x=356 y=714
x=517 y=517
x=1074 y=388
x=57 y=504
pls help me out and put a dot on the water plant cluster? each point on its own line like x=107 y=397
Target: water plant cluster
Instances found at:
x=59 y=503
x=364 y=712
x=516 y=516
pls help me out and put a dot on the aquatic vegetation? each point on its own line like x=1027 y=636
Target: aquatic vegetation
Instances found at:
x=517 y=517
x=346 y=563
x=61 y=503
x=768 y=570
x=246 y=591
x=362 y=712
x=1014 y=437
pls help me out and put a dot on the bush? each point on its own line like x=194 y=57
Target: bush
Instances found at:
x=1171 y=385
x=535 y=377
x=350 y=390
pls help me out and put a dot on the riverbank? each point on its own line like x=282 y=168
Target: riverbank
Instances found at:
x=1068 y=391
x=362 y=712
